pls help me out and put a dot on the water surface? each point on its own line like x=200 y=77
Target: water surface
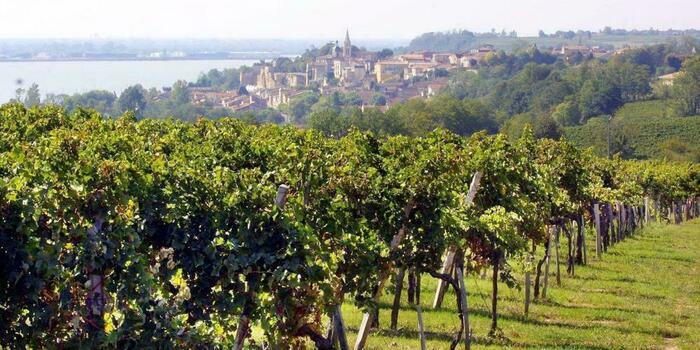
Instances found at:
x=72 y=77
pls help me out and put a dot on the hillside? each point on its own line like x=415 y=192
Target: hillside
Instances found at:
x=639 y=130
x=461 y=41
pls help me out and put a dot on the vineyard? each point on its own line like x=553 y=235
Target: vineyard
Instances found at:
x=118 y=233
x=640 y=129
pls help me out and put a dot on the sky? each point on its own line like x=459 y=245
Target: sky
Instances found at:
x=306 y=19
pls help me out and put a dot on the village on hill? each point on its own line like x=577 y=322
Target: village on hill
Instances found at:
x=348 y=69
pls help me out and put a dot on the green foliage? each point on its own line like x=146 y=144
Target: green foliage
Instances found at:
x=414 y=117
x=379 y=100
x=179 y=93
x=530 y=82
x=567 y=113
x=583 y=306
x=463 y=40
x=676 y=150
x=543 y=126
x=226 y=79
x=133 y=99
x=638 y=130
x=686 y=89
x=182 y=220
x=32 y=96
x=300 y=106
x=104 y=102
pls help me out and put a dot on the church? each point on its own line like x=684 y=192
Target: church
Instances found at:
x=344 y=64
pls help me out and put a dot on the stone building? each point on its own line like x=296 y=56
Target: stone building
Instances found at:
x=387 y=71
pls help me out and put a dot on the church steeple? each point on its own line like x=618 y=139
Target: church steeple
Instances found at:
x=347 y=45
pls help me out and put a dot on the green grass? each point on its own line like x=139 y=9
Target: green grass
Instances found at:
x=643 y=294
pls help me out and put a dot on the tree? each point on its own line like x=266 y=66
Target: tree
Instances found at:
x=180 y=95
x=32 y=97
x=545 y=127
x=102 y=101
x=385 y=53
x=598 y=96
x=542 y=126
x=674 y=62
x=675 y=149
x=329 y=122
x=300 y=106
x=351 y=99
x=19 y=93
x=631 y=79
x=686 y=89
x=567 y=113
x=542 y=34
x=379 y=100
x=133 y=99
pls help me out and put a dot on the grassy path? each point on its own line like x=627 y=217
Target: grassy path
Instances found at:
x=643 y=294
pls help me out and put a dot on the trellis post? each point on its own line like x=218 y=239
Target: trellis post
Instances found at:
x=547 y=258
x=598 y=243
x=449 y=257
x=368 y=317
x=244 y=321
x=646 y=210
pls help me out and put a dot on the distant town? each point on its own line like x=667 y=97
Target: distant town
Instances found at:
x=346 y=69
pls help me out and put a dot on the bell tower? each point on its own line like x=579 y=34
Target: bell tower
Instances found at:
x=347 y=45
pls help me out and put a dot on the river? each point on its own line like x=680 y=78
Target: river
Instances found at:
x=68 y=77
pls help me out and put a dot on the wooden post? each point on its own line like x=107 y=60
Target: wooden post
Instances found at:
x=368 y=317
x=676 y=212
x=449 y=259
x=646 y=210
x=684 y=213
x=598 y=242
x=556 y=253
x=613 y=231
x=672 y=212
x=330 y=332
x=339 y=326
x=417 y=292
x=657 y=210
x=96 y=298
x=244 y=320
x=496 y=261
x=411 y=290
x=397 y=298
x=570 y=247
x=281 y=198
x=465 y=307
x=622 y=220
x=421 y=332
x=442 y=285
x=528 y=282
x=583 y=239
x=626 y=224
x=241 y=332
x=546 y=263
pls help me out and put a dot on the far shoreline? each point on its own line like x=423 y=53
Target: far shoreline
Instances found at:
x=146 y=59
